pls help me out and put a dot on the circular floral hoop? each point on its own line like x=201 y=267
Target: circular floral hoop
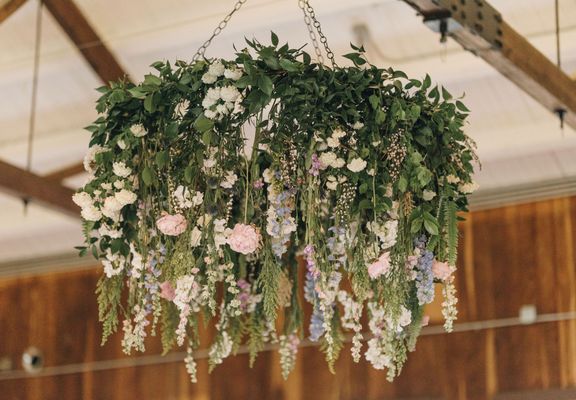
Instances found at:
x=360 y=170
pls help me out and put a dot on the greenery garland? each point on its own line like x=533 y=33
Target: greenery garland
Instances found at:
x=358 y=170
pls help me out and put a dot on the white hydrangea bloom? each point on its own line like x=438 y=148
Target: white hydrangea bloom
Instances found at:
x=229 y=94
x=208 y=78
x=125 y=197
x=120 y=169
x=216 y=68
x=356 y=165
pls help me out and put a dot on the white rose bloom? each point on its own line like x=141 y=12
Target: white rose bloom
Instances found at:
x=208 y=78
x=210 y=114
x=120 y=169
x=198 y=198
x=468 y=187
x=125 y=197
x=221 y=109
x=234 y=74
x=216 y=68
x=138 y=130
x=356 y=165
x=91 y=213
x=338 y=163
x=338 y=133
x=452 y=179
x=328 y=158
x=358 y=125
x=229 y=180
x=229 y=94
x=332 y=142
x=332 y=185
x=121 y=144
x=428 y=195
x=195 y=237
x=82 y=199
x=119 y=184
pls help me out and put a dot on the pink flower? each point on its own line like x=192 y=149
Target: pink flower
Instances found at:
x=167 y=291
x=380 y=266
x=425 y=320
x=441 y=270
x=244 y=239
x=171 y=225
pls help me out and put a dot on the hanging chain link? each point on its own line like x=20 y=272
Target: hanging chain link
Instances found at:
x=312 y=22
x=202 y=49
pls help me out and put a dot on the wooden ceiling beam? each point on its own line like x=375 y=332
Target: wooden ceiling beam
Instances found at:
x=66 y=172
x=481 y=29
x=79 y=30
x=26 y=185
x=8 y=7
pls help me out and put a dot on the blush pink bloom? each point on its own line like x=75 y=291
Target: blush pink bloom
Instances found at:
x=441 y=270
x=244 y=239
x=167 y=291
x=171 y=225
x=380 y=266
x=425 y=320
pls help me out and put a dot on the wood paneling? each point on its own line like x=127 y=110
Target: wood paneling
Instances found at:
x=509 y=257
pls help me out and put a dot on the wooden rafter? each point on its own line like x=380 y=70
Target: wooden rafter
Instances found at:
x=27 y=185
x=66 y=172
x=479 y=28
x=8 y=7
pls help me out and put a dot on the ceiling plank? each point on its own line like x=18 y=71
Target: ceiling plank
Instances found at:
x=66 y=172
x=100 y=58
x=7 y=8
x=24 y=184
x=479 y=28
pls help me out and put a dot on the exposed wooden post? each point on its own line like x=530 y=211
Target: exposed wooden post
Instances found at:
x=8 y=7
x=479 y=28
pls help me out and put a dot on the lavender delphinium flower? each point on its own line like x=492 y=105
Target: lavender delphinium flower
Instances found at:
x=424 y=274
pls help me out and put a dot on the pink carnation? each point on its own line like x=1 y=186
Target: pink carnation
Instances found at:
x=167 y=291
x=244 y=239
x=171 y=225
x=380 y=266
x=441 y=270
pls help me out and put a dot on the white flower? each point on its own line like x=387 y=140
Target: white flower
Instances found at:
x=105 y=230
x=222 y=109
x=97 y=192
x=138 y=130
x=332 y=185
x=125 y=197
x=195 y=237
x=371 y=172
x=229 y=93
x=428 y=195
x=229 y=180
x=338 y=163
x=338 y=134
x=82 y=199
x=208 y=78
x=328 y=158
x=182 y=197
x=238 y=108
x=468 y=187
x=209 y=163
x=204 y=220
x=210 y=114
x=119 y=184
x=356 y=165
x=90 y=158
x=452 y=179
x=358 y=125
x=121 y=144
x=332 y=142
x=233 y=73
x=106 y=186
x=216 y=68
x=268 y=175
x=198 y=198
x=120 y=169
x=405 y=317
x=91 y=213
x=212 y=96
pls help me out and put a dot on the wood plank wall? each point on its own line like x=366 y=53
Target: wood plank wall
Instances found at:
x=509 y=257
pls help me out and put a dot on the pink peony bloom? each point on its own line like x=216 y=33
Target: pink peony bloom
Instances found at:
x=380 y=266
x=441 y=270
x=244 y=239
x=167 y=291
x=425 y=320
x=171 y=225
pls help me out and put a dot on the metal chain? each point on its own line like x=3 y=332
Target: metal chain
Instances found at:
x=202 y=49
x=311 y=21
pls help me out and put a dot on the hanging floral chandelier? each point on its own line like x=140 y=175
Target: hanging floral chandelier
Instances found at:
x=211 y=180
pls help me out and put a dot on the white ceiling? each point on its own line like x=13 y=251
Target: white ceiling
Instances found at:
x=518 y=141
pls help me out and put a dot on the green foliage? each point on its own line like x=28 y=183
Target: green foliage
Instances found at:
x=109 y=292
